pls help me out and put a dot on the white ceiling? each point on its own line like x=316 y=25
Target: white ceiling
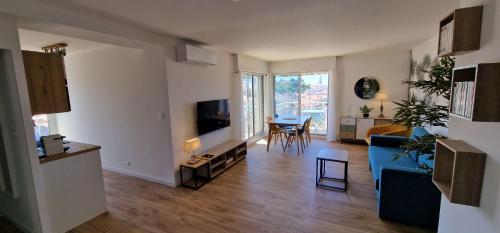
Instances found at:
x=280 y=29
x=34 y=41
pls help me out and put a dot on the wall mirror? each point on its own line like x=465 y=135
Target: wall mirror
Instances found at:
x=366 y=88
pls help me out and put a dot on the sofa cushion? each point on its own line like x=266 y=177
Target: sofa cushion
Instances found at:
x=418 y=132
x=424 y=159
x=380 y=157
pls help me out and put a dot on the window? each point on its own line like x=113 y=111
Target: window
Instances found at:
x=45 y=124
x=253 y=104
x=303 y=94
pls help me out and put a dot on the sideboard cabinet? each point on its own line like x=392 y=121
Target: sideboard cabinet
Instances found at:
x=355 y=128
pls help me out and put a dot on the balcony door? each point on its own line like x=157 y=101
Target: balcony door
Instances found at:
x=303 y=94
x=253 y=104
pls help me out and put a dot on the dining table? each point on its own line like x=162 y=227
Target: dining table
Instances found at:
x=284 y=121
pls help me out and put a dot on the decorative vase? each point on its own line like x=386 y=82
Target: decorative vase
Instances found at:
x=365 y=115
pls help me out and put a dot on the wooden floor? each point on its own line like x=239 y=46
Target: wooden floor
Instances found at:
x=267 y=192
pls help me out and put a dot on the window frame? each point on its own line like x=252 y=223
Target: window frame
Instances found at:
x=300 y=75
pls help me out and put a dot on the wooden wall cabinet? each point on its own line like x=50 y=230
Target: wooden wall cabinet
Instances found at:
x=46 y=80
x=458 y=171
x=475 y=94
x=460 y=32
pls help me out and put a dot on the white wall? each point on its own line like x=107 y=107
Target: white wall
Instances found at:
x=23 y=211
x=484 y=136
x=118 y=98
x=389 y=67
x=188 y=84
x=303 y=65
x=250 y=64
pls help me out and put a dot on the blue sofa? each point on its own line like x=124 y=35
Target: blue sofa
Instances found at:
x=405 y=192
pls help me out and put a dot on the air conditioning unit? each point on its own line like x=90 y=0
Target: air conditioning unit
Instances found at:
x=191 y=54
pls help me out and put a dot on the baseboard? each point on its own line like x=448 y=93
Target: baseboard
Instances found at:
x=141 y=176
x=20 y=226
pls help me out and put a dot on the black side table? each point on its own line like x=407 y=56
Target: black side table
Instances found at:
x=332 y=155
x=197 y=179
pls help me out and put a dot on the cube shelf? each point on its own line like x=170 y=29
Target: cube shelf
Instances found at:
x=460 y=32
x=474 y=93
x=458 y=171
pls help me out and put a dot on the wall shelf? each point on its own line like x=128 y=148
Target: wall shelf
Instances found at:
x=458 y=171
x=225 y=155
x=474 y=93
x=460 y=32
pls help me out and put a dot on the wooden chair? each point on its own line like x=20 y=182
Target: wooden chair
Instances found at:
x=308 y=131
x=388 y=129
x=276 y=132
x=297 y=135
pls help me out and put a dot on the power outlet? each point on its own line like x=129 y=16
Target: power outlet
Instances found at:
x=127 y=163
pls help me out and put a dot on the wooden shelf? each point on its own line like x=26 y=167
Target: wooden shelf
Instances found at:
x=474 y=94
x=216 y=171
x=222 y=153
x=460 y=32
x=218 y=163
x=458 y=171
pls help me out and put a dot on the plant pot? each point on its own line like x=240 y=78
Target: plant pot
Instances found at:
x=366 y=115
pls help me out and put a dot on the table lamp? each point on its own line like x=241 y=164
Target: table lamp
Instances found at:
x=381 y=96
x=190 y=146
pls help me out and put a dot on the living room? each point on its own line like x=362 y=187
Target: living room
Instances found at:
x=144 y=116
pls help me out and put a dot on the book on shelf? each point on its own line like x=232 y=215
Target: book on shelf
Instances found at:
x=446 y=38
x=463 y=98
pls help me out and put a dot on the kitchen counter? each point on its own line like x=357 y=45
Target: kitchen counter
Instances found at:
x=75 y=148
x=74 y=186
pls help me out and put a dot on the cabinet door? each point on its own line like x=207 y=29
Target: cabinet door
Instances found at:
x=362 y=126
x=46 y=80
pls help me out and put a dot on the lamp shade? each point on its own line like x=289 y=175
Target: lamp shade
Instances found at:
x=192 y=144
x=382 y=96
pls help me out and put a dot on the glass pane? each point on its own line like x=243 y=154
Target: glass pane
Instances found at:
x=314 y=101
x=247 y=106
x=286 y=94
x=258 y=100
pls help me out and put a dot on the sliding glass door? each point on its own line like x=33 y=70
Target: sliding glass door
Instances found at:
x=287 y=94
x=253 y=104
x=303 y=94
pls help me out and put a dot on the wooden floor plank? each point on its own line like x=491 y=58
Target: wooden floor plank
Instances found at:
x=268 y=192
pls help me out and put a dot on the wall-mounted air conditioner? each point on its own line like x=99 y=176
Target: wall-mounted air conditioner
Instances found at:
x=195 y=55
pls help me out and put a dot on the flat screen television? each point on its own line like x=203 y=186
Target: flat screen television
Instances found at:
x=212 y=115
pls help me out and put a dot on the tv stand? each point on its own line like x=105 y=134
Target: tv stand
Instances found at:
x=224 y=157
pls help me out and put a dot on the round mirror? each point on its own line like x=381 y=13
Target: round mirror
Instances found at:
x=366 y=88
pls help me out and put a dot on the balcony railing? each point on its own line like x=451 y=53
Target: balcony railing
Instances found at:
x=317 y=111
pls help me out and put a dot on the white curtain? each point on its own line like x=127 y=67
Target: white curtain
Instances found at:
x=332 y=107
x=237 y=104
x=268 y=96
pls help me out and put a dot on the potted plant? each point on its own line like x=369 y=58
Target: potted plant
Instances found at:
x=365 y=110
x=418 y=112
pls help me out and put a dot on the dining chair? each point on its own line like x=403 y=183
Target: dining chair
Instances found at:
x=276 y=132
x=297 y=135
x=308 y=131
